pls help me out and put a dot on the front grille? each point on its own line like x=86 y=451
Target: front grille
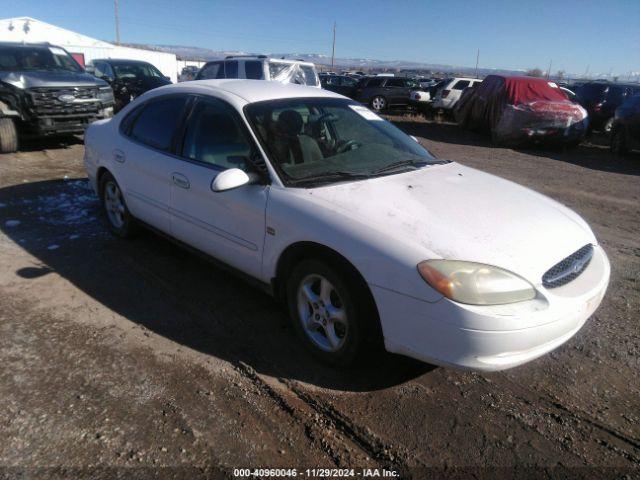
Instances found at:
x=568 y=269
x=46 y=101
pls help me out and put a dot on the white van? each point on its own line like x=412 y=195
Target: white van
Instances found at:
x=261 y=67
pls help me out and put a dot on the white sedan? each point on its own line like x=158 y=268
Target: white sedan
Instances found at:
x=365 y=236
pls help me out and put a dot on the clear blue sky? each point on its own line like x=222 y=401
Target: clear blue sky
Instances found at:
x=604 y=35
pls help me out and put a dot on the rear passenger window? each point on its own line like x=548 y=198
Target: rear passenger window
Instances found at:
x=461 y=85
x=231 y=69
x=214 y=136
x=395 y=82
x=253 y=70
x=156 y=124
x=374 y=82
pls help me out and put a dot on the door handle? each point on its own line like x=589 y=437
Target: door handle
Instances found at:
x=118 y=156
x=180 y=180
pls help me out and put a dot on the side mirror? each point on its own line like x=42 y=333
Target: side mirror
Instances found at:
x=168 y=79
x=229 y=179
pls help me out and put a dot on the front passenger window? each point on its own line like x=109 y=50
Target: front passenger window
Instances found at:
x=214 y=136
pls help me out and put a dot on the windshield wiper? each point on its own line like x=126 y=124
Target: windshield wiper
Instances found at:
x=397 y=165
x=328 y=176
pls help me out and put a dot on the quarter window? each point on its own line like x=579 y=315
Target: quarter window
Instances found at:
x=158 y=121
x=214 y=136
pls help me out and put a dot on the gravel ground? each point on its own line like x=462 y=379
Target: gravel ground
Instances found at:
x=137 y=359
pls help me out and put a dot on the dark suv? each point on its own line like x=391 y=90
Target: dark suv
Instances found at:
x=382 y=92
x=601 y=99
x=43 y=91
x=128 y=78
x=625 y=134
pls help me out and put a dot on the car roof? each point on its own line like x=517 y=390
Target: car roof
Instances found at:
x=119 y=60
x=251 y=90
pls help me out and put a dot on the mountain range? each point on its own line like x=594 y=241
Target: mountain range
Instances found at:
x=205 y=54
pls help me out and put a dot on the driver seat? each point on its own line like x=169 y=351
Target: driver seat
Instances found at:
x=296 y=147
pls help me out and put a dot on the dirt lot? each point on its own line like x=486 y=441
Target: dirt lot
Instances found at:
x=137 y=359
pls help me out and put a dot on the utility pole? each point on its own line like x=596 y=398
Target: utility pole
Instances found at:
x=549 y=71
x=115 y=4
x=477 y=58
x=333 y=47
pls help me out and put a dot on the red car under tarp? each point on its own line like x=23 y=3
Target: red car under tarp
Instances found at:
x=521 y=109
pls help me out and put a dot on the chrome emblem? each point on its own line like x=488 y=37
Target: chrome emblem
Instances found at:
x=67 y=98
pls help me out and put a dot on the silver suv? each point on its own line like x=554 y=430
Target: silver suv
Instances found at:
x=261 y=67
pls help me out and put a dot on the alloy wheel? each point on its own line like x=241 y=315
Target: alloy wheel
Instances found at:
x=378 y=103
x=114 y=204
x=322 y=313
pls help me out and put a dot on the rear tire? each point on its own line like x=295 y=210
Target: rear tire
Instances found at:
x=8 y=136
x=608 y=126
x=378 y=103
x=120 y=221
x=329 y=312
x=618 y=142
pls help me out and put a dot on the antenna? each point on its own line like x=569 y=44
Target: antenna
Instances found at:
x=333 y=47
x=549 y=71
x=115 y=5
x=477 y=58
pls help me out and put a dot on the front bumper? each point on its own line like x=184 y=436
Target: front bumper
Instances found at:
x=490 y=338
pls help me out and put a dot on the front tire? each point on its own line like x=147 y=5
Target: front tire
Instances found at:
x=327 y=311
x=8 y=136
x=119 y=220
x=378 y=103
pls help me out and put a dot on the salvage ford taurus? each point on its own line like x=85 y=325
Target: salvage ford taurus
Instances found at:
x=363 y=234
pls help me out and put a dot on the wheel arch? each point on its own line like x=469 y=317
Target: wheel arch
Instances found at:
x=299 y=251
x=302 y=250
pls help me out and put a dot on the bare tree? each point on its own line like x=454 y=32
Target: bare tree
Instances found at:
x=560 y=74
x=534 y=72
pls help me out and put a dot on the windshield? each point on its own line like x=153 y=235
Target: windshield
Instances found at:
x=36 y=58
x=320 y=140
x=135 y=70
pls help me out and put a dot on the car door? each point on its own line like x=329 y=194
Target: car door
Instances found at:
x=228 y=225
x=395 y=91
x=145 y=158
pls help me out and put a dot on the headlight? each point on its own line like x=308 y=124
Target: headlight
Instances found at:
x=475 y=283
x=105 y=94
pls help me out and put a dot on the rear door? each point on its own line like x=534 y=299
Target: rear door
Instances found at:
x=396 y=91
x=228 y=225
x=145 y=153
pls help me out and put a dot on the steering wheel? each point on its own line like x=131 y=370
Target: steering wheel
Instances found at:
x=348 y=145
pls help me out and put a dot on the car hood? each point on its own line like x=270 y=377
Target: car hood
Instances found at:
x=456 y=212
x=40 y=78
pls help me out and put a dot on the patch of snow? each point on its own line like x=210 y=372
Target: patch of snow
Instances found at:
x=2 y=205
x=53 y=247
x=12 y=223
x=73 y=237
